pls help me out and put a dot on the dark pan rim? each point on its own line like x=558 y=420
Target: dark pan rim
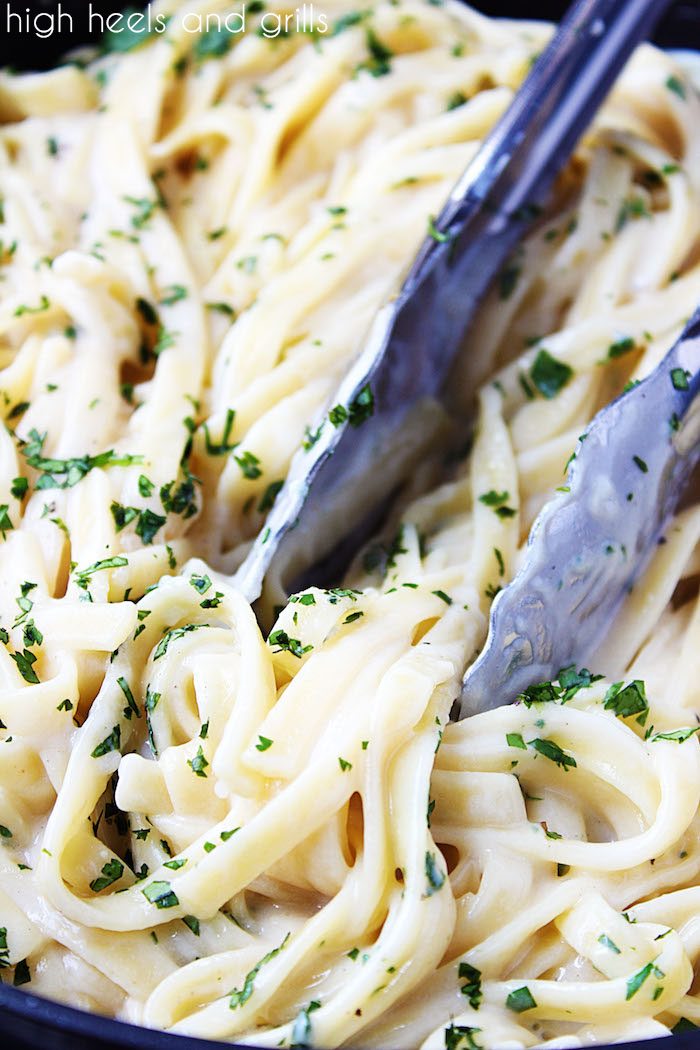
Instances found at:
x=66 y=1021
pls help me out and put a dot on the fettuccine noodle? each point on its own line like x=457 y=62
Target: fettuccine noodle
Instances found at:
x=283 y=841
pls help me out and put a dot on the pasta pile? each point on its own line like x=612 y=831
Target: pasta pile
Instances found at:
x=282 y=841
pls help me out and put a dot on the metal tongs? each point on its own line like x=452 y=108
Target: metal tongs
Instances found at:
x=560 y=604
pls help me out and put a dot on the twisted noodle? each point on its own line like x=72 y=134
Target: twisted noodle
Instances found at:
x=283 y=842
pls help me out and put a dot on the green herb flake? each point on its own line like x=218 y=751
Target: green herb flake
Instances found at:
x=263 y=743
x=607 y=943
x=472 y=986
x=24 y=662
x=679 y=378
x=240 y=996
x=111 y=872
x=110 y=743
x=199 y=763
x=174 y=293
x=629 y=701
x=549 y=375
x=521 y=1000
x=677 y=735
x=635 y=982
x=161 y=894
x=434 y=874
x=456 y=99
x=22 y=973
x=192 y=924
x=620 y=348
x=214 y=43
x=171 y=635
x=435 y=233
x=19 y=488
x=378 y=64
x=131 y=705
x=250 y=465
x=516 y=740
x=677 y=86
x=539 y=693
x=443 y=597
x=269 y=496
x=496 y=501
x=548 y=749
x=286 y=644
x=461 y=1037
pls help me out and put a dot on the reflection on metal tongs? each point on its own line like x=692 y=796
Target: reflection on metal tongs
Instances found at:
x=392 y=395
x=589 y=544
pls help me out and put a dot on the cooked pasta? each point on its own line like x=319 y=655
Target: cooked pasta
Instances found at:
x=282 y=841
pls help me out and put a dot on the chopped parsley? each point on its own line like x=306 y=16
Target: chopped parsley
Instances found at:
x=679 y=378
x=497 y=501
x=435 y=233
x=44 y=304
x=161 y=894
x=240 y=996
x=627 y=701
x=548 y=749
x=620 y=348
x=434 y=874
x=549 y=375
x=677 y=86
x=263 y=743
x=19 y=488
x=461 y=1037
x=24 y=661
x=443 y=597
x=110 y=743
x=521 y=1000
x=174 y=293
x=64 y=473
x=456 y=99
x=131 y=705
x=269 y=496
x=607 y=943
x=82 y=577
x=286 y=644
x=679 y=735
x=199 y=763
x=635 y=982
x=301 y=1029
x=472 y=987
x=111 y=872
x=225 y=445
x=249 y=464
x=379 y=62
x=148 y=525
x=5 y=521
x=172 y=634
x=192 y=924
